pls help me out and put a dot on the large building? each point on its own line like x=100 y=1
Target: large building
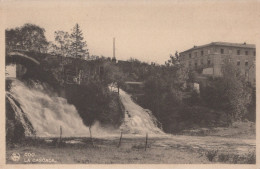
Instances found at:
x=210 y=58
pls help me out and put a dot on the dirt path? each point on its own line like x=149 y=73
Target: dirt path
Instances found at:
x=207 y=143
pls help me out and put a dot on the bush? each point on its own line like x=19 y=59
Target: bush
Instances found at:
x=223 y=157
x=211 y=154
x=235 y=159
x=251 y=158
x=94 y=102
x=115 y=114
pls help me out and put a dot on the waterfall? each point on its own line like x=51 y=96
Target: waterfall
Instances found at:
x=138 y=120
x=46 y=113
x=43 y=114
x=20 y=115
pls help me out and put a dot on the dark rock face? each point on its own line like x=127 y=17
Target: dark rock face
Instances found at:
x=15 y=129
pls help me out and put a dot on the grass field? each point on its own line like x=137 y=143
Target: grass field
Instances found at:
x=171 y=150
x=105 y=151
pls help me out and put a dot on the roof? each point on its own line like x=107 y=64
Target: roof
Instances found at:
x=240 y=45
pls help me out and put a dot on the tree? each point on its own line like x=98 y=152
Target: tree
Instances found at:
x=237 y=90
x=176 y=73
x=174 y=60
x=113 y=74
x=64 y=42
x=12 y=38
x=78 y=46
x=229 y=93
x=52 y=48
x=29 y=37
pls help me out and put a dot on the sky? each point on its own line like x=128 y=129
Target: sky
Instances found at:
x=146 y=30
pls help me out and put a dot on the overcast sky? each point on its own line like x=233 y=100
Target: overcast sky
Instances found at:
x=146 y=30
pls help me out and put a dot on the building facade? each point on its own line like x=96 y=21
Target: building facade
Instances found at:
x=210 y=58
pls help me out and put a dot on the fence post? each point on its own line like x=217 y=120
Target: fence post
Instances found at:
x=120 y=140
x=146 y=140
x=91 y=136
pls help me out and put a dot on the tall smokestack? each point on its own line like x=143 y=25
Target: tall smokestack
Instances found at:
x=114 y=47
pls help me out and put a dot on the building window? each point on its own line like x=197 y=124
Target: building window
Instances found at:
x=189 y=55
x=222 y=51
x=208 y=61
x=246 y=63
x=190 y=64
x=246 y=52
x=238 y=52
x=201 y=61
x=208 y=51
x=202 y=53
x=196 y=64
x=238 y=63
x=254 y=53
x=195 y=54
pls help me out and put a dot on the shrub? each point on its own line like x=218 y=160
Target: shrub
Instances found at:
x=94 y=102
x=223 y=157
x=251 y=158
x=235 y=159
x=211 y=154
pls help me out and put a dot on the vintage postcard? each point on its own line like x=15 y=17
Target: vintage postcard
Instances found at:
x=129 y=82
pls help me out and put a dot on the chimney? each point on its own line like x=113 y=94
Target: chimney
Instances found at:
x=114 y=47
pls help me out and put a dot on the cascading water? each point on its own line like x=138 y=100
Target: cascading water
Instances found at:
x=43 y=114
x=46 y=113
x=20 y=116
x=137 y=120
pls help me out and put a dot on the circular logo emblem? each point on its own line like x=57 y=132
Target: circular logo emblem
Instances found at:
x=15 y=156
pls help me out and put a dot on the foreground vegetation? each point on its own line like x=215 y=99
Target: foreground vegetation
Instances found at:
x=108 y=155
x=131 y=151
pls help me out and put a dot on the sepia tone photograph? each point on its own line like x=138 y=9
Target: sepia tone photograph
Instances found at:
x=120 y=82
